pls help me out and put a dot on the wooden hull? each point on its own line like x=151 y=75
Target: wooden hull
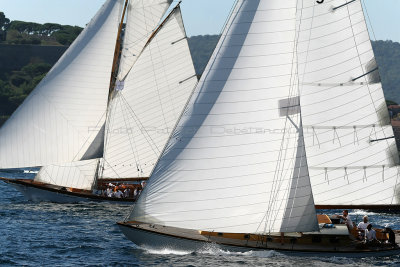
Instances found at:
x=158 y=237
x=39 y=192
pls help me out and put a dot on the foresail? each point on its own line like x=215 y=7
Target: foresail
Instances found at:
x=143 y=112
x=142 y=18
x=80 y=174
x=236 y=160
x=60 y=119
x=351 y=154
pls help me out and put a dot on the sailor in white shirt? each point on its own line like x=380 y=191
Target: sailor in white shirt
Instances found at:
x=363 y=225
x=118 y=194
x=370 y=234
x=347 y=220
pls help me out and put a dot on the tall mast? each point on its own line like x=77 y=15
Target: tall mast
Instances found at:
x=117 y=53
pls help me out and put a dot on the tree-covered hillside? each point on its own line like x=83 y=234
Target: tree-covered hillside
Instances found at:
x=21 y=32
x=201 y=48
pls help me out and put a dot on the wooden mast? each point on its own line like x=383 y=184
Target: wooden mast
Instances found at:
x=117 y=52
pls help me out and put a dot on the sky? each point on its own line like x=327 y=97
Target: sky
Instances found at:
x=200 y=16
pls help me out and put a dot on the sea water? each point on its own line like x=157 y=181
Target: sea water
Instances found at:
x=50 y=234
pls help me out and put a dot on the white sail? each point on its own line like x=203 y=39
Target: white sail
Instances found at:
x=142 y=18
x=78 y=174
x=343 y=107
x=61 y=118
x=236 y=161
x=143 y=112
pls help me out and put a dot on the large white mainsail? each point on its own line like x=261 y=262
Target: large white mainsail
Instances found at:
x=155 y=89
x=236 y=162
x=346 y=123
x=53 y=124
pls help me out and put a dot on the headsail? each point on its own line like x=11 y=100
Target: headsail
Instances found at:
x=145 y=109
x=54 y=123
x=236 y=161
x=80 y=174
x=344 y=109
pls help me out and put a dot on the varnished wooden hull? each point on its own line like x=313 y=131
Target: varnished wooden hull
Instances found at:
x=158 y=237
x=39 y=192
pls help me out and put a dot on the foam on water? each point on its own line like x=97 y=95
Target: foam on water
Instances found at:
x=165 y=251
x=362 y=213
x=212 y=250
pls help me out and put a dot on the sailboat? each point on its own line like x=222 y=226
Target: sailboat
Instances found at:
x=104 y=112
x=236 y=171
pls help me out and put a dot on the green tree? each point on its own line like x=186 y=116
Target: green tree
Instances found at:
x=67 y=34
x=49 y=28
x=33 y=70
x=4 y=22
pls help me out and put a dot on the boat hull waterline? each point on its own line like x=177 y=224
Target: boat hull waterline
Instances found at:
x=156 y=237
x=41 y=193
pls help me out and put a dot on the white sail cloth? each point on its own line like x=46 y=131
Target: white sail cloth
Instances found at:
x=343 y=107
x=235 y=162
x=143 y=113
x=62 y=116
x=142 y=18
x=80 y=174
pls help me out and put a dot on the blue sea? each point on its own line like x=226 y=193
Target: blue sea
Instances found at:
x=49 y=234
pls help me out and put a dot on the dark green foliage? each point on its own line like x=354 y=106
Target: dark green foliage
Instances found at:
x=18 y=84
x=201 y=48
x=4 y=22
x=67 y=34
x=50 y=28
x=387 y=55
x=21 y=32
